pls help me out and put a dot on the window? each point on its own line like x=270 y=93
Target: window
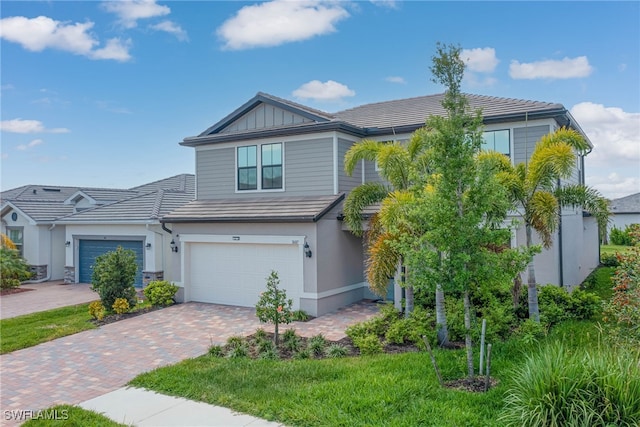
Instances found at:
x=265 y=169
x=247 y=168
x=271 y=166
x=497 y=140
x=15 y=234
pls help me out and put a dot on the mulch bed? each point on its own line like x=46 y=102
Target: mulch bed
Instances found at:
x=14 y=291
x=475 y=386
x=111 y=318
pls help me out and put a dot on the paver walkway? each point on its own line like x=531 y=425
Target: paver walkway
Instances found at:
x=91 y=363
x=45 y=296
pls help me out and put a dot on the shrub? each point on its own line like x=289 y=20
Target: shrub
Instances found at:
x=335 y=350
x=260 y=334
x=269 y=354
x=237 y=352
x=557 y=305
x=13 y=268
x=266 y=346
x=290 y=340
x=160 y=292
x=531 y=331
x=609 y=260
x=216 y=350
x=369 y=344
x=558 y=387
x=235 y=341
x=273 y=305
x=623 y=237
x=97 y=310
x=113 y=276
x=120 y=306
x=303 y=353
x=317 y=344
x=300 y=316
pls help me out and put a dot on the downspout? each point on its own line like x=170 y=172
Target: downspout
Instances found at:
x=561 y=249
x=50 y=265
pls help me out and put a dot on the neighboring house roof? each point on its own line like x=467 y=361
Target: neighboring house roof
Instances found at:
x=381 y=118
x=141 y=208
x=47 y=204
x=259 y=209
x=626 y=205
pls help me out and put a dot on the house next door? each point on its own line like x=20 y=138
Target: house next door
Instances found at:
x=89 y=250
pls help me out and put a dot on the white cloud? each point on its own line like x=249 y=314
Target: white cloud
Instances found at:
x=37 y=34
x=613 y=167
x=27 y=126
x=567 y=68
x=171 y=28
x=34 y=143
x=114 y=49
x=327 y=91
x=481 y=60
x=474 y=80
x=396 y=79
x=280 y=21
x=391 y=4
x=129 y=12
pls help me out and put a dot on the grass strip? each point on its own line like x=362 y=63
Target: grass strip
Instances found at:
x=35 y=328
x=69 y=416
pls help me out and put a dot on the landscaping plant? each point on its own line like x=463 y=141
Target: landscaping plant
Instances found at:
x=114 y=274
x=273 y=305
x=14 y=269
x=120 y=306
x=160 y=292
x=97 y=310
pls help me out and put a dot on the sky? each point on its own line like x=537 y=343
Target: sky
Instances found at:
x=100 y=93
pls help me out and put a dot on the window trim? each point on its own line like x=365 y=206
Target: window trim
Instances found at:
x=510 y=132
x=259 y=188
x=238 y=167
x=20 y=229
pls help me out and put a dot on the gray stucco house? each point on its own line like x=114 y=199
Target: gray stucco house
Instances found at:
x=270 y=184
x=61 y=230
x=625 y=211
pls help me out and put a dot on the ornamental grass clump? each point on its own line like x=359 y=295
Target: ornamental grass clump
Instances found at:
x=273 y=305
x=585 y=387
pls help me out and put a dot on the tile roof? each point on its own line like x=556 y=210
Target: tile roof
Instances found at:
x=42 y=211
x=627 y=204
x=183 y=182
x=414 y=111
x=259 y=209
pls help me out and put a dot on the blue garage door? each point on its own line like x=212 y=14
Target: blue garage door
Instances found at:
x=91 y=249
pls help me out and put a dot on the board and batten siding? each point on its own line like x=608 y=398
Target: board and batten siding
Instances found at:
x=308 y=171
x=264 y=116
x=347 y=183
x=525 y=139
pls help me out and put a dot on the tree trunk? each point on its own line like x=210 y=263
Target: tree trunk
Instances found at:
x=275 y=335
x=441 y=318
x=534 y=312
x=467 y=338
x=409 y=301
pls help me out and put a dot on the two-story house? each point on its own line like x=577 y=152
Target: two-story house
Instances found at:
x=270 y=184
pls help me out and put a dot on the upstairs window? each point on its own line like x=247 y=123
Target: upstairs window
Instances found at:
x=247 y=168
x=497 y=140
x=260 y=172
x=271 y=166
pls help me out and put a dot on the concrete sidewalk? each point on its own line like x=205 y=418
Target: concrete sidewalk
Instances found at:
x=140 y=407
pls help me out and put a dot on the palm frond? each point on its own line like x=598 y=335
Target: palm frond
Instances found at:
x=586 y=198
x=565 y=136
x=394 y=163
x=382 y=263
x=362 y=150
x=543 y=214
x=549 y=163
x=394 y=209
x=358 y=199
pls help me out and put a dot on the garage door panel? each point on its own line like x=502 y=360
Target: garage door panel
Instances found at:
x=235 y=274
x=89 y=250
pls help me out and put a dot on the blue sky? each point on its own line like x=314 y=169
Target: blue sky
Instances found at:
x=101 y=93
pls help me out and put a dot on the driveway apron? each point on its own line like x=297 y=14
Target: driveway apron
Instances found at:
x=91 y=363
x=45 y=296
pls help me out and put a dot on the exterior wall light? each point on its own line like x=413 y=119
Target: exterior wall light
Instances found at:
x=174 y=247
x=67 y=243
x=148 y=246
x=307 y=251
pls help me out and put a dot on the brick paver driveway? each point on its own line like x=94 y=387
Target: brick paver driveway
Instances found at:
x=88 y=364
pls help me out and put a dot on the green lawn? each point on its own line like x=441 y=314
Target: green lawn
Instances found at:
x=70 y=416
x=32 y=329
x=612 y=249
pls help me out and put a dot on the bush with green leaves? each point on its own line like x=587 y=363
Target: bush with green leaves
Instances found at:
x=160 y=292
x=301 y=354
x=335 y=351
x=216 y=350
x=114 y=274
x=14 y=268
x=377 y=325
x=369 y=344
x=290 y=340
x=300 y=316
x=583 y=387
x=556 y=304
x=530 y=331
x=609 y=260
x=273 y=305
x=316 y=345
x=623 y=237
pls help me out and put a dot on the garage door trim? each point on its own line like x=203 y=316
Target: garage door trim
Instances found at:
x=242 y=238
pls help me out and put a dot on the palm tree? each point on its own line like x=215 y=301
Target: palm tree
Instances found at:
x=400 y=165
x=534 y=187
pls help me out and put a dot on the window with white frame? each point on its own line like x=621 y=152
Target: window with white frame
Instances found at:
x=497 y=140
x=15 y=234
x=260 y=172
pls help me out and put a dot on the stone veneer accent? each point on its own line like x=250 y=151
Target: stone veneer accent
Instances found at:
x=38 y=272
x=151 y=276
x=69 y=274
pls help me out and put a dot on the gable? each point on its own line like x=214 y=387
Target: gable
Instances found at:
x=265 y=116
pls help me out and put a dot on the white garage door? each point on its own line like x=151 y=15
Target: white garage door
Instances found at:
x=236 y=273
